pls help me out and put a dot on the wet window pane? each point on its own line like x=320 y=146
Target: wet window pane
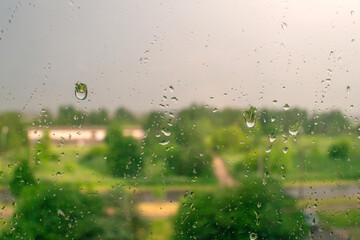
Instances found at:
x=177 y=120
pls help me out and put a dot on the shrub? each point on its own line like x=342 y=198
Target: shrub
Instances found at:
x=339 y=150
x=49 y=211
x=22 y=177
x=123 y=157
x=98 y=151
x=253 y=208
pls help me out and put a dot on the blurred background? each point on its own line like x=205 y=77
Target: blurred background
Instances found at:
x=179 y=119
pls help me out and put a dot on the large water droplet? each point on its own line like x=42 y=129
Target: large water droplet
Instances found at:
x=294 y=129
x=80 y=91
x=286 y=107
x=253 y=236
x=249 y=116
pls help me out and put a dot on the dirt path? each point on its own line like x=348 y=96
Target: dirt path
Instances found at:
x=222 y=173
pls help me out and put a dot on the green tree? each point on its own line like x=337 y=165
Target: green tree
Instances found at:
x=123 y=158
x=124 y=115
x=22 y=177
x=49 y=211
x=68 y=115
x=12 y=132
x=253 y=208
x=100 y=117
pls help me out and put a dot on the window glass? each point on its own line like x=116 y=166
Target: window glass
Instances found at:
x=179 y=119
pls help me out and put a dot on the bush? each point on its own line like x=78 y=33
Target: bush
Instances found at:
x=98 y=151
x=123 y=157
x=48 y=211
x=339 y=150
x=254 y=208
x=22 y=177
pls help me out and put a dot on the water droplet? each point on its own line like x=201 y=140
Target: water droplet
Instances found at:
x=284 y=25
x=272 y=119
x=171 y=88
x=80 y=91
x=215 y=110
x=253 y=236
x=60 y=212
x=164 y=142
x=274 y=101
x=285 y=149
x=352 y=12
x=294 y=129
x=268 y=149
x=166 y=133
x=348 y=89
x=272 y=137
x=286 y=107
x=249 y=116
x=331 y=54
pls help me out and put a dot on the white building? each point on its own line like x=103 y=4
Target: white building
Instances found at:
x=79 y=136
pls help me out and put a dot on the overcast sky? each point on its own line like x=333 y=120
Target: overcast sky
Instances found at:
x=217 y=52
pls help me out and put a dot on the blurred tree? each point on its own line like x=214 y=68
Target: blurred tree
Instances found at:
x=339 y=149
x=22 y=177
x=230 y=138
x=12 y=132
x=100 y=117
x=49 y=211
x=45 y=118
x=332 y=123
x=123 y=156
x=254 y=209
x=68 y=115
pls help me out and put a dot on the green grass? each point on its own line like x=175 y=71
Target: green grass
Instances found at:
x=161 y=229
x=340 y=219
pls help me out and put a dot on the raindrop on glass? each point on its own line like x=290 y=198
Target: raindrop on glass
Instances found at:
x=166 y=133
x=249 y=116
x=80 y=91
x=268 y=149
x=348 y=89
x=253 y=236
x=284 y=25
x=286 y=107
x=164 y=142
x=294 y=129
x=285 y=149
x=272 y=137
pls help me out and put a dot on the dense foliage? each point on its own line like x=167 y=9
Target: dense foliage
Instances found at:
x=49 y=211
x=21 y=178
x=253 y=208
x=123 y=157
